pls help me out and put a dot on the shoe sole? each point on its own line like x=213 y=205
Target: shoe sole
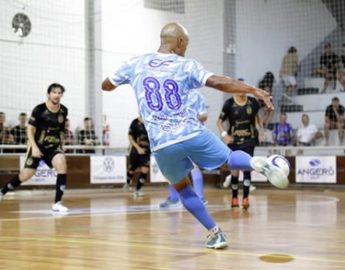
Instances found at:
x=219 y=246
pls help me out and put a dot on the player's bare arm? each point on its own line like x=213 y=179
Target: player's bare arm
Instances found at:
x=107 y=85
x=229 y=85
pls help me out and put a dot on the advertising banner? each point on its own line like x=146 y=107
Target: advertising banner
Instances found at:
x=108 y=169
x=43 y=176
x=316 y=169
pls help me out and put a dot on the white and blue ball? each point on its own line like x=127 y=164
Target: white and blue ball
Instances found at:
x=280 y=162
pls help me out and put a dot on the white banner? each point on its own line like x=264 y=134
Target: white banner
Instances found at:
x=108 y=169
x=156 y=175
x=316 y=169
x=256 y=177
x=43 y=176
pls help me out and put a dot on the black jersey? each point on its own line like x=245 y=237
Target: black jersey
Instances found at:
x=49 y=125
x=242 y=120
x=138 y=131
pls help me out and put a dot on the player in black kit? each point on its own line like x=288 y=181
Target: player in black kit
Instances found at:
x=241 y=111
x=139 y=156
x=45 y=142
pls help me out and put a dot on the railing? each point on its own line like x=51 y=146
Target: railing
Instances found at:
x=260 y=150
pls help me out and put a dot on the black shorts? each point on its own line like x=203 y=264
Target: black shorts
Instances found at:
x=136 y=160
x=249 y=149
x=48 y=155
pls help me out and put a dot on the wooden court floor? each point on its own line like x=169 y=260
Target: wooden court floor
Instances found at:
x=109 y=229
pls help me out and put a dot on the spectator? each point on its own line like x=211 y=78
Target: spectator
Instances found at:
x=87 y=136
x=282 y=132
x=334 y=119
x=341 y=70
x=69 y=137
x=329 y=62
x=267 y=82
x=288 y=70
x=5 y=132
x=19 y=132
x=307 y=133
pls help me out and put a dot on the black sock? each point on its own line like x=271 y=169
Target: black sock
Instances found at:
x=234 y=186
x=60 y=187
x=246 y=183
x=11 y=185
x=141 y=181
x=129 y=177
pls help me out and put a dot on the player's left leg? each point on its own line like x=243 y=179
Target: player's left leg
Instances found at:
x=194 y=205
x=198 y=183
x=60 y=165
x=173 y=200
x=144 y=170
x=246 y=189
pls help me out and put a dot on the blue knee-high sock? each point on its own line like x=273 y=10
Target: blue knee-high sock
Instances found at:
x=239 y=160
x=173 y=194
x=198 y=182
x=195 y=206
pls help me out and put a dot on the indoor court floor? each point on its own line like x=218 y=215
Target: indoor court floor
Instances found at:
x=109 y=229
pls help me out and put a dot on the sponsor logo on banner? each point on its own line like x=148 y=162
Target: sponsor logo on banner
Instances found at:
x=156 y=175
x=316 y=169
x=108 y=169
x=43 y=175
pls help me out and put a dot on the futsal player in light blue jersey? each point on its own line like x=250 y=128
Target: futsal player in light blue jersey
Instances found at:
x=162 y=82
x=173 y=201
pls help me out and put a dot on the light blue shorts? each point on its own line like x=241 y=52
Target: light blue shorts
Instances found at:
x=206 y=150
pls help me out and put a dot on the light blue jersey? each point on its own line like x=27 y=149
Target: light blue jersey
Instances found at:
x=197 y=102
x=162 y=84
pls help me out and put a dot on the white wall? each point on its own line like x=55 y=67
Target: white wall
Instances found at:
x=52 y=52
x=267 y=28
x=129 y=29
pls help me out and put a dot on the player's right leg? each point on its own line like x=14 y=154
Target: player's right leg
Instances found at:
x=30 y=166
x=234 y=188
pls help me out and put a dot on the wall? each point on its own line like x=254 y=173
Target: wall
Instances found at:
x=52 y=52
x=123 y=39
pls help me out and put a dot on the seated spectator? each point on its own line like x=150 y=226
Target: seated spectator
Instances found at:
x=329 y=63
x=69 y=138
x=19 y=132
x=341 y=69
x=282 y=131
x=288 y=70
x=308 y=133
x=334 y=119
x=87 y=136
x=267 y=82
x=5 y=132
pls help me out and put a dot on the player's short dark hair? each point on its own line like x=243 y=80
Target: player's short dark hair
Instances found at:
x=22 y=114
x=87 y=118
x=55 y=85
x=2 y=113
x=335 y=99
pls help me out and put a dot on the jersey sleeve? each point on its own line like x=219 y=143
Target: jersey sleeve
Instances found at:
x=34 y=118
x=123 y=74
x=198 y=75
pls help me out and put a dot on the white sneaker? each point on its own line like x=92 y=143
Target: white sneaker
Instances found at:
x=58 y=207
x=252 y=188
x=227 y=181
x=138 y=193
x=274 y=174
x=1 y=196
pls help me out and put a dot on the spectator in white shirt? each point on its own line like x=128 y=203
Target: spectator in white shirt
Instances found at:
x=308 y=133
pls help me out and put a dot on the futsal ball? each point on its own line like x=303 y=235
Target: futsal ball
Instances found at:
x=282 y=163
